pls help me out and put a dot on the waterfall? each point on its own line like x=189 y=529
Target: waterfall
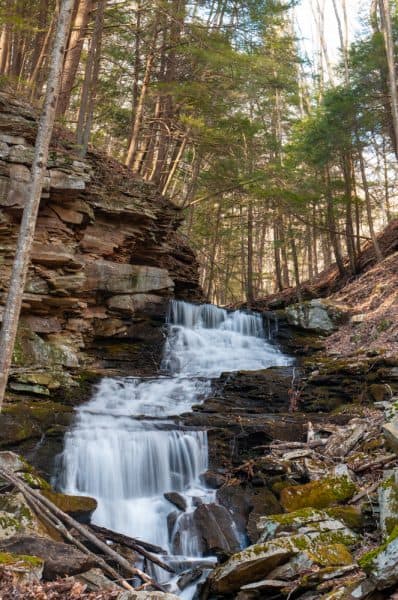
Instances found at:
x=125 y=449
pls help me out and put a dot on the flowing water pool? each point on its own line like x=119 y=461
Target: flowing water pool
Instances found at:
x=125 y=448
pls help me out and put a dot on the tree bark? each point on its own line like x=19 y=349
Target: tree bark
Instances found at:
x=73 y=53
x=27 y=230
x=368 y=203
x=133 y=146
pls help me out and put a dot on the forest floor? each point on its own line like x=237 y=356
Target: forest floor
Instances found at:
x=371 y=298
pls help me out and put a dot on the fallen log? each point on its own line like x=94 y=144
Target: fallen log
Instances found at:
x=82 y=529
x=132 y=543
x=382 y=461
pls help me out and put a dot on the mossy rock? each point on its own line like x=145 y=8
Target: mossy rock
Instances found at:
x=349 y=515
x=381 y=563
x=24 y=560
x=16 y=517
x=24 y=568
x=255 y=562
x=317 y=494
x=78 y=506
x=309 y=521
x=29 y=418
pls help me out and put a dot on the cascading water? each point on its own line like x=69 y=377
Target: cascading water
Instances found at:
x=125 y=449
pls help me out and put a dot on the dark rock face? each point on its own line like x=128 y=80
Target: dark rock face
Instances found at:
x=59 y=559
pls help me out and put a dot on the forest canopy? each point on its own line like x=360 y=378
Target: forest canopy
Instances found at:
x=283 y=161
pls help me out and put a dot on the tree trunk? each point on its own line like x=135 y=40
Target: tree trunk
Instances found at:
x=90 y=83
x=385 y=13
x=133 y=146
x=331 y=224
x=27 y=230
x=249 y=289
x=277 y=258
x=368 y=203
x=73 y=53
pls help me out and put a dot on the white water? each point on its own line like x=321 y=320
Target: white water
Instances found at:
x=124 y=449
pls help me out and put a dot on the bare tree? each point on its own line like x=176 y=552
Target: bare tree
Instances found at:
x=28 y=224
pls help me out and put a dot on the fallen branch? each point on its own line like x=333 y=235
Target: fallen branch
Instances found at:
x=382 y=461
x=124 y=540
x=88 y=535
x=365 y=492
x=52 y=521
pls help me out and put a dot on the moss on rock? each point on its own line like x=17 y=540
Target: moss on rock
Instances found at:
x=76 y=505
x=317 y=494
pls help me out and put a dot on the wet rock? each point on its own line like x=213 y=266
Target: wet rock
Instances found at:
x=212 y=479
x=171 y=521
x=246 y=504
x=177 y=499
x=317 y=315
x=188 y=578
x=23 y=568
x=216 y=530
x=317 y=494
x=60 y=559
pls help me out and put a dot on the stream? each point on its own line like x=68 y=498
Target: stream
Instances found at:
x=126 y=448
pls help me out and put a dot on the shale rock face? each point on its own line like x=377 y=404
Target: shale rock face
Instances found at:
x=106 y=258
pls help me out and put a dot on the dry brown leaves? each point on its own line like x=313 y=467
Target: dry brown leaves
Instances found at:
x=63 y=589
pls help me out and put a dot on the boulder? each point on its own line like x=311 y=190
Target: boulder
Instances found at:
x=315 y=523
x=248 y=566
x=216 y=530
x=317 y=494
x=258 y=561
x=60 y=559
x=319 y=315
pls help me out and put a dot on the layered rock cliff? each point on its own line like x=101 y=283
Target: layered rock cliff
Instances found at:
x=106 y=258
